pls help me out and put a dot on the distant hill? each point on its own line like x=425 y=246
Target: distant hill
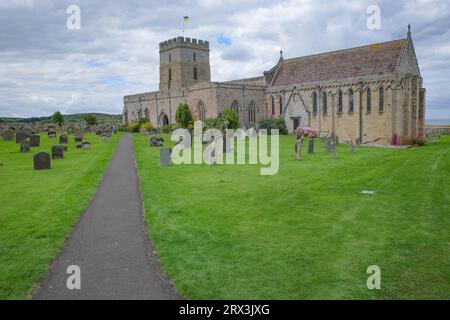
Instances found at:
x=68 y=118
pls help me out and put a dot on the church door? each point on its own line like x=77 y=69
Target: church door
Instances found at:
x=296 y=123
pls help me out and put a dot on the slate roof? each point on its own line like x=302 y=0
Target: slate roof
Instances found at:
x=375 y=59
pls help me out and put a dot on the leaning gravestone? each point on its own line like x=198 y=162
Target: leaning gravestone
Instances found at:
x=63 y=139
x=35 y=141
x=24 y=146
x=57 y=152
x=311 y=146
x=41 y=161
x=20 y=136
x=8 y=135
x=164 y=157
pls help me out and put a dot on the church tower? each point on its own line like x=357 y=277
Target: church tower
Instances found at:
x=183 y=62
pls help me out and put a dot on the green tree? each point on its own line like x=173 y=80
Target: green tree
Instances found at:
x=232 y=118
x=58 y=118
x=183 y=115
x=90 y=119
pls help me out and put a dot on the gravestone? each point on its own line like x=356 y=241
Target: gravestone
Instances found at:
x=41 y=161
x=164 y=157
x=107 y=133
x=298 y=148
x=24 y=146
x=155 y=141
x=358 y=142
x=311 y=146
x=78 y=139
x=8 y=135
x=51 y=135
x=28 y=132
x=57 y=152
x=98 y=133
x=20 y=136
x=70 y=130
x=79 y=133
x=86 y=145
x=352 y=147
x=63 y=139
x=334 y=149
x=35 y=141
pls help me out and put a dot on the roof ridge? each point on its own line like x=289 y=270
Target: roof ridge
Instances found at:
x=342 y=50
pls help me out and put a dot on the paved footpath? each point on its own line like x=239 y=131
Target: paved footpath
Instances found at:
x=109 y=243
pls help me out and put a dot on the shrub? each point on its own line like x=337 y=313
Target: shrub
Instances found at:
x=183 y=116
x=90 y=119
x=215 y=123
x=122 y=127
x=147 y=126
x=418 y=142
x=143 y=121
x=58 y=118
x=168 y=128
x=232 y=118
x=274 y=123
x=133 y=127
x=306 y=132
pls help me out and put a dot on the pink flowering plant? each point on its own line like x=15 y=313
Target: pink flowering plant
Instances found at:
x=306 y=132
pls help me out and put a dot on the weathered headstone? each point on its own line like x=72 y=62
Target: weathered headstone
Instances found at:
x=298 y=148
x=51 y=135
x=86 y=145
x=311 y=146
x=24 y=146
x=20 y=136
x=35 y=141
x=358 y=142
x=334 y=149
x=155 y=141
x=8 y=135
x=70 y=130
x=79 y=132
x=41 y=161
x=352 y=147
x=63 y=139
x=57 y=152
x=164 y=157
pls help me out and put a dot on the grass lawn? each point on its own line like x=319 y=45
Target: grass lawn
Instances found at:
x=38 y=209
x=226 y=232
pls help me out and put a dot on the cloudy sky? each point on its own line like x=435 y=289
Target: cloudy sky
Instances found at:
x=45 y=67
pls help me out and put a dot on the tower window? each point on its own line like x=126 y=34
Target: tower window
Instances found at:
x=273 y=105
x=381 y=106
x=281 y=105
x=324 y=102
x=369 y=100
x=315 y=103
x=351 y=101
x=170 y=57
x=195 y=57
x=170 y=74
x=340 y=107
x=195 y=73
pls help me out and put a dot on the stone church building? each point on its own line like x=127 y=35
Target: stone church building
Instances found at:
x=374 y=92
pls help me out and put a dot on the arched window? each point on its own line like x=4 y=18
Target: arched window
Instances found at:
x=340 y=106
x=235 y=106
x=273 y=105
x=281 y=105
x=369 y=100
x=351 y=101
x=201 y=111
x=195 y=57
x=163 y=120
x=170 y=57
x=381 y=100
x=252 y=112
x=324 y=103
x=315 y=103
x=170 y=74
x=195 y=73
